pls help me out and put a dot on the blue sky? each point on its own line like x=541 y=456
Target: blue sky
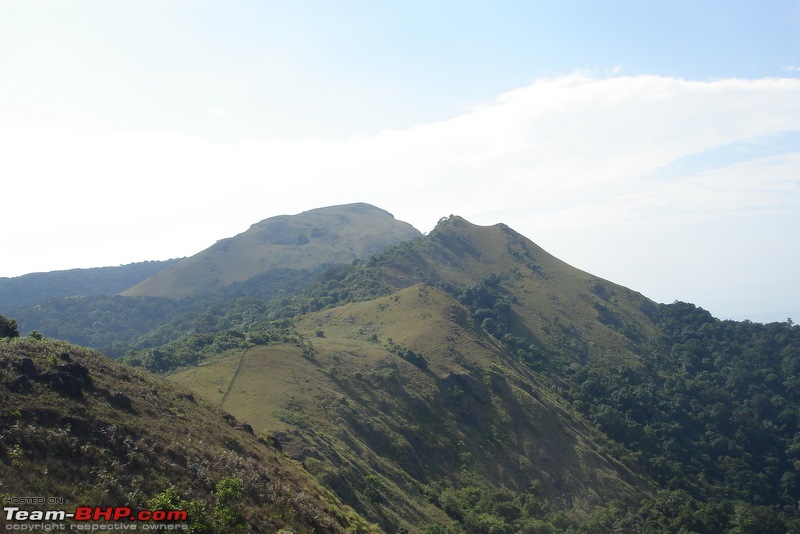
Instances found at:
x=654 y=144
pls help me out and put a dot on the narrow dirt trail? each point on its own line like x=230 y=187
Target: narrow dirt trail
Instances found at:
x=233 y=380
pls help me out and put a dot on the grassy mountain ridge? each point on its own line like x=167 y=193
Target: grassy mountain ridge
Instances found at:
x=516 y=290
x=331 y=235
x=500 y=277
x=409 y=392
x=78 y=426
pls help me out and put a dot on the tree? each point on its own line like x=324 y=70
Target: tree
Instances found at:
x=372 y=488
x=8 y=327
x=198 y=520
x=227 y=517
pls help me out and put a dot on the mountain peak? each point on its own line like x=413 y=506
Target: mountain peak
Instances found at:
x=307 y=241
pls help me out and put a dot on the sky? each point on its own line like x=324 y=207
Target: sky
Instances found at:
x=654 y=144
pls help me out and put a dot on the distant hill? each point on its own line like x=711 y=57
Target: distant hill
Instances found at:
x=303 y=242
x=273 y=258
x=34 y=288
x=79 y=427
x=112 y=324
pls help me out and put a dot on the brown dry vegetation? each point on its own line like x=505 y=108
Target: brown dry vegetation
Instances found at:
x=78 y=426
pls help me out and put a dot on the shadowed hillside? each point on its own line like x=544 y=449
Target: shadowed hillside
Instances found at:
x=77 y=426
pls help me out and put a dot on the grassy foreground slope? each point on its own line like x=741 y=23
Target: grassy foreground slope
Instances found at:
x=303 y=242
x=78 y=426
x=412 y=414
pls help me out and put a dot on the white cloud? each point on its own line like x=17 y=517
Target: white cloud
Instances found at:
x=564 y=160
x=219 y=112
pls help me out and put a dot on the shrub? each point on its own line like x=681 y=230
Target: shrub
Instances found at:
x=8 y=327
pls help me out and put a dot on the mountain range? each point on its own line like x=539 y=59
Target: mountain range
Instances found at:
x=35 y=288
x=461 y=381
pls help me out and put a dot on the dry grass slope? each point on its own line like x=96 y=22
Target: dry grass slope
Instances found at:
x=409 y=389
x=574 y=315
x=78 y=426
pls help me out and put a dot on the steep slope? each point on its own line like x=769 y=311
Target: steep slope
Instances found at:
x=468 y=381
x=303 y=242
x=707 y=406
x=79 y=427
x=543 y=308
x=410 y=412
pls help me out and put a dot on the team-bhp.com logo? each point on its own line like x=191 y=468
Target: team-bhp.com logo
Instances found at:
x=87 y=518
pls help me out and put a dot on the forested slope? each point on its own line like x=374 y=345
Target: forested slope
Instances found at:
x=707 y=409
x=35 y=288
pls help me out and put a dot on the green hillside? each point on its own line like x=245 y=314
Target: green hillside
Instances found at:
x=400 y=403
x=425 y=381
x=665 y=391
x=79 y=427
x=468 y=381
x=548 y=311
x=273 y=259
x=307 y=241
